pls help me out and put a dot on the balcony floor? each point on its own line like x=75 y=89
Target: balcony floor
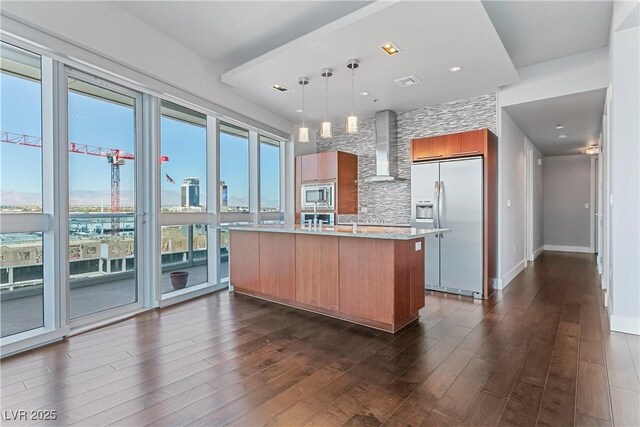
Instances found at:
x=21 y=314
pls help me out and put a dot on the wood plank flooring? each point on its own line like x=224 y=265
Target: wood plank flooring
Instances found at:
x=538 y=353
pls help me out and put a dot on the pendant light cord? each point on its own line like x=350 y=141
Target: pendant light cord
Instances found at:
x=303 y=85
x=326 y=98
x=353 y=92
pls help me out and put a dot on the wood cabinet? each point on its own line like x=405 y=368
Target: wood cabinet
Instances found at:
x=317 y=271
x=309 y=167
x=373 y=282
x=337 y=166
x=277 y=262
x=327 y=166
x=463 y=144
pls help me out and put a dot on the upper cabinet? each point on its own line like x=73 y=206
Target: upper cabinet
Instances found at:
x=322 y=166
x=471 y=143
x=327 y=165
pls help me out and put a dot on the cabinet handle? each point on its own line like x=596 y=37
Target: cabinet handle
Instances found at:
x=428 y=157
x=465 y=152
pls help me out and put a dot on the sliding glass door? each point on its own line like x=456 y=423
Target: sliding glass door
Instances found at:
x=103 y=134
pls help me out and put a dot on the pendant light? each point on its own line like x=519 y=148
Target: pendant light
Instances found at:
x=325 y=126
x=303 y=131
x=352 y=119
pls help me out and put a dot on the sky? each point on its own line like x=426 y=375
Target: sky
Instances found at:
x=102 y=123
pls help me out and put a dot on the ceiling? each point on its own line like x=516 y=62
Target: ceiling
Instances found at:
x=255 y=44
x=432 y=37
x=229 y=33
x=535 y=31
x=580 y=114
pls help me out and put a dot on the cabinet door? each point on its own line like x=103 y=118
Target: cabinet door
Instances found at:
x=465 y=144
x=428 y=148
x=309 y=166
x=327 y=164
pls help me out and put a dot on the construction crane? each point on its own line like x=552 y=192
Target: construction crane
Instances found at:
x=115 y=158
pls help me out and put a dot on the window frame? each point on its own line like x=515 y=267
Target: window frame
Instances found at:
x=56 y=57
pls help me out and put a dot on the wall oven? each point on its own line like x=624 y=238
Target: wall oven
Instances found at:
x=322 y=194
x=326 y=218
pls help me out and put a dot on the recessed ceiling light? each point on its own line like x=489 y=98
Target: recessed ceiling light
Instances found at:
x=562 y=136
x=299 y=110
x=279 y=88
x=456 y=68
x=559 y=126
x=390 y=48
x=364 y=93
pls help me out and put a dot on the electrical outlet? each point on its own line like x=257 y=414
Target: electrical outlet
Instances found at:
x=586 y=205
x=364 y=209
x=418 y=246
x=508 y=203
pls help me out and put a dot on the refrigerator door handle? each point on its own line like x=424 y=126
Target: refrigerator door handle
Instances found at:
x=436 y=197
x=440 y=213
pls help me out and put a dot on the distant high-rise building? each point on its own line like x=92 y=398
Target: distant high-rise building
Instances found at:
x=190 y=192
x=224 y=202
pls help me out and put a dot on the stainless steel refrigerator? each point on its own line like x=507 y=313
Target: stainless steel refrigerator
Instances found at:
x=448 y=194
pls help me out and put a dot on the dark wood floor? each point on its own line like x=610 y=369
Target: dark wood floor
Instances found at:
x=538 y=353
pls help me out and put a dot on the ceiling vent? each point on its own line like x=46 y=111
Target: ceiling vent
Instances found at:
x=408 y=81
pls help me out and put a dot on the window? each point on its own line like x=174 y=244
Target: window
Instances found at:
x=183 y=146
x=21 y=253
x=102 y=197
x=184 y=250
x=21 y=132
x=269 y=175
x=21 y=293
x=234 y=169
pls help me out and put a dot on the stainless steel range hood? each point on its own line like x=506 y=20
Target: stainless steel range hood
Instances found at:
x=386 y=148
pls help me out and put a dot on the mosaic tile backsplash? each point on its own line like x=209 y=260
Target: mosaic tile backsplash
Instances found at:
x=390 y=201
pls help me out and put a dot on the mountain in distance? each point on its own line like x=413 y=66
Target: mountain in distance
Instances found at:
x=103 y=198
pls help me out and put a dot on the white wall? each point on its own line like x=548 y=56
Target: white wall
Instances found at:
x=572 y=74
x=567 y=187
x=624 y=175
x=104 y=29
x=537 y=199
x=511 y=191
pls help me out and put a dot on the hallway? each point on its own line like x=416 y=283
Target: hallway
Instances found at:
x=539 y=352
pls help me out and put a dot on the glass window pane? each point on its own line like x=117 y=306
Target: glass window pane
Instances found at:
x=183 y=136
x=21 y=303
x=269 y=175
x=184 y=256
x=21 y=131
x=101 y=264
x=234 y=169
x=102 y=248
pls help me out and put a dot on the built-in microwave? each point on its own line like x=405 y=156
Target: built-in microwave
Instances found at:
x=321 y=196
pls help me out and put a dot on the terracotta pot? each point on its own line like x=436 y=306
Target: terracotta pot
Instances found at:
x=179 y=279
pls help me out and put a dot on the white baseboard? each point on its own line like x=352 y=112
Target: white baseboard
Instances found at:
x=510 y=275
x=538 y=252
x=560 y=248
x=628 y=325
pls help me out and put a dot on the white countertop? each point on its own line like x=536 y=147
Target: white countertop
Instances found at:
x=372 y=232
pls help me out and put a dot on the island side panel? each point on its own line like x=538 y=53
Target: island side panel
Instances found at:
x=244 y=260
x=410 y=296
x=367 y=279
x=278 y=265
x=317 y=261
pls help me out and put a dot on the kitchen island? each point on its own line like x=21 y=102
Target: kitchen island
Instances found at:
x=372 y=276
